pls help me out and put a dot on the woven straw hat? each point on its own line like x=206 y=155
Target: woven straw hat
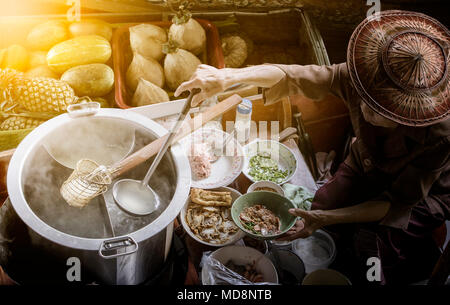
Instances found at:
x=399 y=64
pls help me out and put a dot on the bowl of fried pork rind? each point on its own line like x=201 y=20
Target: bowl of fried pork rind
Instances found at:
x=206 y=217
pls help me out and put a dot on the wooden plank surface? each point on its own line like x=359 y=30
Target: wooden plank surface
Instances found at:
x=112 y=6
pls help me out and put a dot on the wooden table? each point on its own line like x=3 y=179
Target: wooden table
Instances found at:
x=301 y=177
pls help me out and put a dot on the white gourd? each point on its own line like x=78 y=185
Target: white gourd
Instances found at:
x=147 y=93
x=147 y=40
x=186 y=32
x=179 y=66
x=234 y=51
x=146 y=68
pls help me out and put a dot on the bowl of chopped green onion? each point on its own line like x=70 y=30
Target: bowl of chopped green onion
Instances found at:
x=267 y=160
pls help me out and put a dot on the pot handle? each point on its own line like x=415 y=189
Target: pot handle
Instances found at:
x=116 y=244
x=83 y=109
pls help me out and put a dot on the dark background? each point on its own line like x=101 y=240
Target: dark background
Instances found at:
x=335 y=19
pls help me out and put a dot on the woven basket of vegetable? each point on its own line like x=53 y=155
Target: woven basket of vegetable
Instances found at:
x=133 y=70
x=11 y=138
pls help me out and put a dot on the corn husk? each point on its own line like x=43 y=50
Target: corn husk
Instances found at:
x=147 y=93
x=146 y=68
x=9 y=139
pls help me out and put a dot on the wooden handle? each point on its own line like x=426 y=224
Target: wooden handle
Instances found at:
x=198 y=121
x=286 y=133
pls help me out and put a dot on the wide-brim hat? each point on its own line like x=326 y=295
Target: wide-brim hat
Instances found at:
x=399 y=64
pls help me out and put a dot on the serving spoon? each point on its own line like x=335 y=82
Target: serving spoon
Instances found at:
x=136 y=196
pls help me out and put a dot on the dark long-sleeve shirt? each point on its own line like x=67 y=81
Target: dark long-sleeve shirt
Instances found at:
x=416 y=158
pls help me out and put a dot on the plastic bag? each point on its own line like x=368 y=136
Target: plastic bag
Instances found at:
x=217 y=274
x=299 y=195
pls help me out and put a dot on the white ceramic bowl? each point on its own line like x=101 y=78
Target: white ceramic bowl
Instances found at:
x=242 y=256
x=322 y=240
x=278 y=189
x=280 y=152
x=238 y=235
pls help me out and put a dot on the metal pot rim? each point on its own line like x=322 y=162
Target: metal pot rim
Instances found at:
x=20 y=205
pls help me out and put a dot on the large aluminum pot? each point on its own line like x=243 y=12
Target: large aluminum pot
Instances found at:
x=112 y=246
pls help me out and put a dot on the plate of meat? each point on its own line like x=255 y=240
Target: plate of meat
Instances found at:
x=210 y=168
x=263 y=215
x=206 y=217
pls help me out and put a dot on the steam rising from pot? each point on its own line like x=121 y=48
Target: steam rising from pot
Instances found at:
x=43 y=176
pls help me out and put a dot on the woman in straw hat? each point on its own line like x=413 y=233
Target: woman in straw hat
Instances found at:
x=396 y=178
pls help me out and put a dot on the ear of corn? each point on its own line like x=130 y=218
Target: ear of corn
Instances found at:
x=7 y=103
x=26 y=102
x=43 y=94
x=38 y=94
x=18 y=122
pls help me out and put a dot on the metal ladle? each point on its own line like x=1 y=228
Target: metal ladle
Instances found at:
x=137 y=197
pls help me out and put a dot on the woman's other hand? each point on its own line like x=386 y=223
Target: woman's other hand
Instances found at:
x=212 y=81
x=310 y=222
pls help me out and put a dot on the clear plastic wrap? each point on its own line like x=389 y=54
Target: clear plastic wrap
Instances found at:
x=215 y=273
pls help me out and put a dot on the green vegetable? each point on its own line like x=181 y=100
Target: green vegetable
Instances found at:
x=250 y=226
x=264 y=168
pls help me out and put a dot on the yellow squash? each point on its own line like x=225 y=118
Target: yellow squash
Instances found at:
x=78 y=51
x=47 y=34
x=15 y=57
x=37 y=58
x=41 y=71
x=92 y=80
x=91 y=27
x=2 y=55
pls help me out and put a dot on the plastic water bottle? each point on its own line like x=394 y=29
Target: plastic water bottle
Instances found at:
x=243 y=120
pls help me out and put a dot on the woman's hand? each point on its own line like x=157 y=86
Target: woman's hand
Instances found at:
x=310 y=222
x=209 y=80
x=212 y=81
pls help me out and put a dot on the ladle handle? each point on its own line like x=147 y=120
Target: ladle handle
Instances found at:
x=173 y=132
x=197 y=122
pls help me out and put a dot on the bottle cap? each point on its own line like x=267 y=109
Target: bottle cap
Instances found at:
x=245 y=107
